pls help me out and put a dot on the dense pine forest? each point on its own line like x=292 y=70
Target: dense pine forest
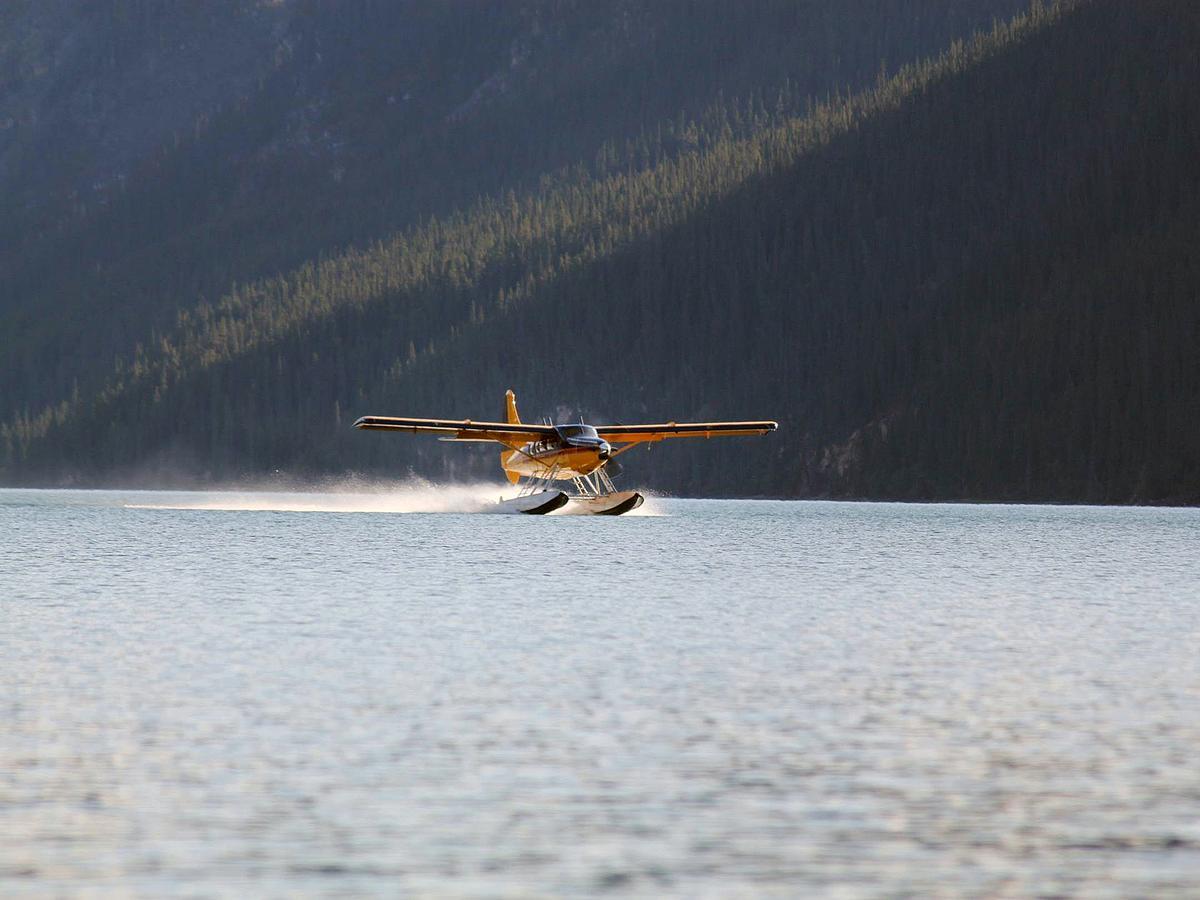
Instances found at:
x=951 y=250
x=179 y=149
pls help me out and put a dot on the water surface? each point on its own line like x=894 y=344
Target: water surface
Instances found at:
x=723 y=699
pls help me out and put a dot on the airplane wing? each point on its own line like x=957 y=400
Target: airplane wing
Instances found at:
x=459 y=430
x=632 y=434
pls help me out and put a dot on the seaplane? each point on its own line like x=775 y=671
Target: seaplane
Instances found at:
x=538 y=457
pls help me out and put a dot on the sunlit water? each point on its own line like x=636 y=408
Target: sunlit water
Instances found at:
x=724 y=699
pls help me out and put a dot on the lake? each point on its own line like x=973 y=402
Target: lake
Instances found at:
x=387 y=692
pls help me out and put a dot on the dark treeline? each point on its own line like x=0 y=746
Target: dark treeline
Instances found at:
x=975 y=280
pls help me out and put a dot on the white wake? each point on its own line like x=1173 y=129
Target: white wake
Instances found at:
x=413 y=496
x=351 y=496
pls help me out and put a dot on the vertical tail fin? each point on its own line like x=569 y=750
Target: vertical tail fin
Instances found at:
x=511 y=417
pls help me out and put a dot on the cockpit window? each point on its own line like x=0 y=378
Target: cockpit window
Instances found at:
x=577 y=431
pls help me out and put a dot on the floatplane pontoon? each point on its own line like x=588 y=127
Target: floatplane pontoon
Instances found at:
x=543 y=455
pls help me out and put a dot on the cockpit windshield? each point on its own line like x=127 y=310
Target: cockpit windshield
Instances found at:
x=576 y=431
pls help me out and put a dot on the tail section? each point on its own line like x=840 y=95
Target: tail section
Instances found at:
x=512 y=418
x=510 y=409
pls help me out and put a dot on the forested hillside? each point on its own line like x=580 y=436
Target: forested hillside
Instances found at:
x=161 y=152
x=974 y=278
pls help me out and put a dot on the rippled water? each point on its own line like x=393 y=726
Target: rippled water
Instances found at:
x=725 y=699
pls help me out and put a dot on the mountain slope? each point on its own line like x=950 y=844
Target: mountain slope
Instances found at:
x=137 y=183
x=973 y=281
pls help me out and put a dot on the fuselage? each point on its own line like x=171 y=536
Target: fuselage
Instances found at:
x=571 y=452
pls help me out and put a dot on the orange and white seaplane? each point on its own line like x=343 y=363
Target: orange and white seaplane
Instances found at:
x=578 y=453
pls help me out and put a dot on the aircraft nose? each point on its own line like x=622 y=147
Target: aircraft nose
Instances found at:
x=605 y=450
